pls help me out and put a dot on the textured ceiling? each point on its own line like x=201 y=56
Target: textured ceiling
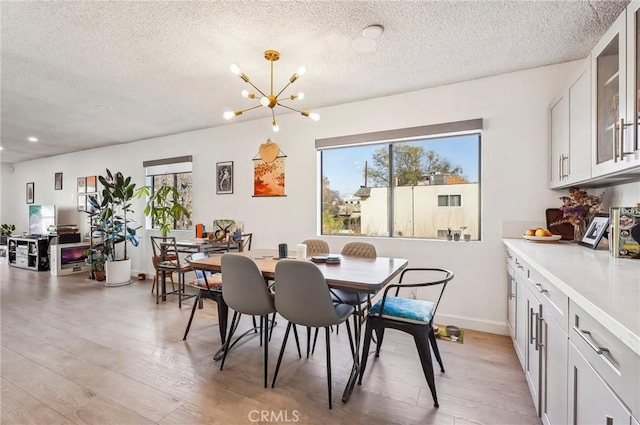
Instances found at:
x=78 y=75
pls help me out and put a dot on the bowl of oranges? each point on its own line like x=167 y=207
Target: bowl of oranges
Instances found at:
x=540 y=234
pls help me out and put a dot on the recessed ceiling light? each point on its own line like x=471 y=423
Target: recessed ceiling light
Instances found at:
x=33 y=139
x=1 y=148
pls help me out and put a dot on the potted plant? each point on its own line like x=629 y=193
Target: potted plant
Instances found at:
x=117 y=226
x=5 y=232
x=97 y=253
x=164 y=207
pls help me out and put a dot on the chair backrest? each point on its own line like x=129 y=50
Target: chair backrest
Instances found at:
x=165 y=250
x=316 y=246
x=302 y=294
x=245 y=289
x=197 y=256
x=243 y=244
x=421 y=277
x=360 y=249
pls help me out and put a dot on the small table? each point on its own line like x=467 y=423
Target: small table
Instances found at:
x=190 y=246
x=368 y=275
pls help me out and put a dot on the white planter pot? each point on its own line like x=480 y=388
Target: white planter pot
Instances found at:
x=118 y=272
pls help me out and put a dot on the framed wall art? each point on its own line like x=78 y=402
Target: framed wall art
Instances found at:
x=82 y=203
x=82 y=184
x=224 y=177
x=91 y=184
x=57 y=181
x=30 y=193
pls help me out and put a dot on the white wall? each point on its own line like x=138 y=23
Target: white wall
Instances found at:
x=514 y=178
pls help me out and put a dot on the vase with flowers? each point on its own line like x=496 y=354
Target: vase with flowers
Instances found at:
x=578 y=209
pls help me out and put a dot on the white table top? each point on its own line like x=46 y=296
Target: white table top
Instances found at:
x=607 y=288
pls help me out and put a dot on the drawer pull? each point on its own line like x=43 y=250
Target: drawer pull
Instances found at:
x=586 y=335
x=537 y=337
x=540 y=289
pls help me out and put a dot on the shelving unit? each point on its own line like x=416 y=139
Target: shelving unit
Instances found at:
x=29 y=253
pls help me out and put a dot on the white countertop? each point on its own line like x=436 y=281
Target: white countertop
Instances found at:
x=607 y=288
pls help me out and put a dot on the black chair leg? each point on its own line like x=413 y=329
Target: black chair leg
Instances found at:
x=255 y=325
x=284 y=344
x=365 y=348
x=265 y=335
x=315 y=338
x=308 y=340
x=273 y=324
x=326 y=333
x=422 y=343
x=193 y=311
x=261 y=327
x=295 y=334
x=380 y=337
x=436 y=351
x=228 y=341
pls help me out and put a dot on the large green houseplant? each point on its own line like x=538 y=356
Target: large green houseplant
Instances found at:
x=97 y=253
x=164 y=207
x=117 y=225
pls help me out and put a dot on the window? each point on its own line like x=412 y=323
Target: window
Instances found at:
x=449 y=200
x=431 y=173
x=174 y=172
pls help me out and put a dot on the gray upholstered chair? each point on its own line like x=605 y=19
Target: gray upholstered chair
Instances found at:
x=360 y=249
x=302 y=297
x=246 y=292
x=316 y=246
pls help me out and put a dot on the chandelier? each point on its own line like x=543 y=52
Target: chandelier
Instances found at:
x=271 y=100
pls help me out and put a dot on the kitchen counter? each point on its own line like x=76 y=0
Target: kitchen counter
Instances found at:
x=605 y=287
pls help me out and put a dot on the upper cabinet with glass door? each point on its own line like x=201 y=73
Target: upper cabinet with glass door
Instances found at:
x=615 y=109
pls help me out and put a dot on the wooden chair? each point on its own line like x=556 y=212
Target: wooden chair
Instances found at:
x=240 y=245
x=166 y=249
x=414 y=317
x=208 y=286
x=156 y=278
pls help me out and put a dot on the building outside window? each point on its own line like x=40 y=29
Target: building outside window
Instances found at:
x=431 y=176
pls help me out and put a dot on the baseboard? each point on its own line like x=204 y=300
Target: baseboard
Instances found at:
x=473 y=324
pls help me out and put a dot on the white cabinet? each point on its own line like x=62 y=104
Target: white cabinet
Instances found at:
x=512 y=291
x=571 y=133
x=591 y=400
x=540 y=337
x=614 y=125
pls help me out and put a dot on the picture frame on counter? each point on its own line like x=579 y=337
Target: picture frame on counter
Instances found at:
x=596 y=230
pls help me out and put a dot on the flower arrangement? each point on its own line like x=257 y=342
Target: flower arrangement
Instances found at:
x=579 y=207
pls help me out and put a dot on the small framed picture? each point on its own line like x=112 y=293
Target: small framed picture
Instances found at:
x=57 y=182
x=82 y=203
x=224 y=177
x=30 y=193
x=82 y=184
x=91 y=184
x=596 y=230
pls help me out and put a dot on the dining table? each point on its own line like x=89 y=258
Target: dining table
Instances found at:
x=357 y=274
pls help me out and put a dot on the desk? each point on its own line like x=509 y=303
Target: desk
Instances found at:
x=367 y=275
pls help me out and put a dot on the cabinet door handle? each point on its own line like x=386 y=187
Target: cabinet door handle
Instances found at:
x=530 y=325
x=586 y=335
x=539 y=328
x=541 y=289
x=622 y=128
x=537 y=343
x=560 y=167
x=615 y=142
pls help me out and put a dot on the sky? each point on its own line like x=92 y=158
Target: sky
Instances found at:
x=344 y=167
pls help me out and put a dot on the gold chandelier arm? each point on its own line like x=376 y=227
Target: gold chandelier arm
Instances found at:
x=257 y=89
x=248 y=109
x=283 y=89
x=289 y=107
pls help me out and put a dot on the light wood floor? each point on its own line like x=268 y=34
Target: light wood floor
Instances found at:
x=76 y=352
